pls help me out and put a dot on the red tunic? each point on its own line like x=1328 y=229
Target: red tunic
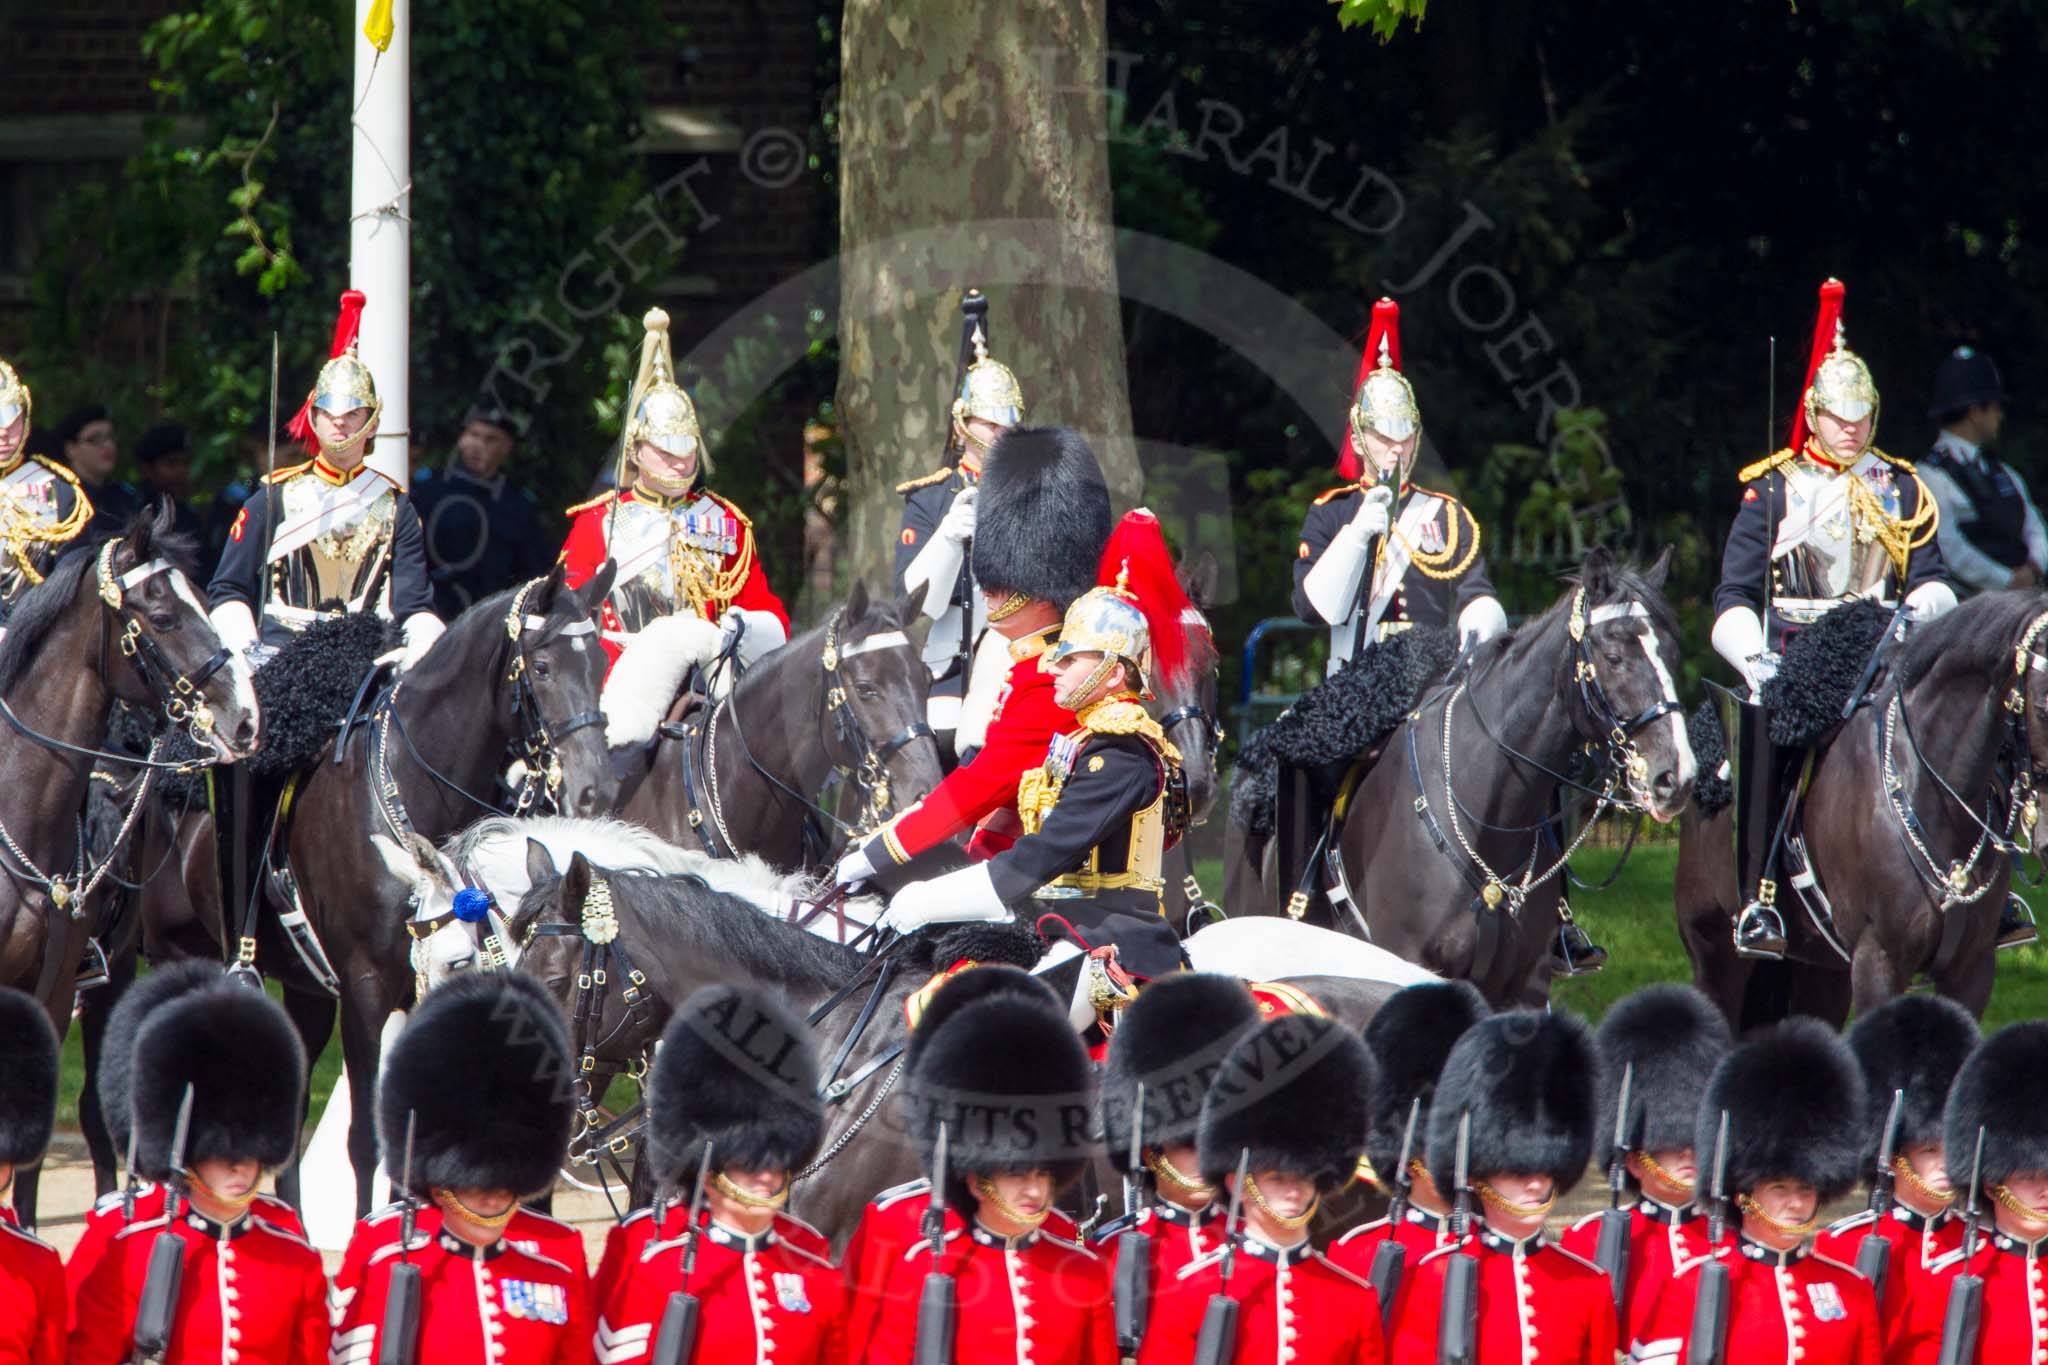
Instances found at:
x=1538 y=1305
x=1784 y=1308
x=2014 y=1327
x=1043 y=1295
x=1917 y=1243
x=31 y=1299
x=624 y=1242
x=768 y=1299
x=250 y=1292
x=1420 y=1233
x=1021 y=730
x=495 y=1305
x=1293 y=1307
x=528 y=1231
x=105 y=1222
x=588 y=546
x=1660 y=1239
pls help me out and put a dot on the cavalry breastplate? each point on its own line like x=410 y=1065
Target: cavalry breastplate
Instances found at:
x=345 y=564
x=1134 y=852
x=33 y=524
x=673 y=558
x=1833 y=539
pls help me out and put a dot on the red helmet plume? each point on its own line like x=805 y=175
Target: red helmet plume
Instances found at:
x=1384 y=332
x=1824 y=325
x=1138 y=565
x=347 y=327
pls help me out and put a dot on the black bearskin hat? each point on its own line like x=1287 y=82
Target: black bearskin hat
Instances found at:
x=964 y=988
x=1674 y=1037
x=1172 y=1039
x=738 y=1069
x=1794 y=1097
x=1915 y=1044
x=1013 y=1086
x=138 y=1001
x=2002 y=1089
x=1528 y=1080
x=239 y=1053
x=484 y=1067
x=1410 y=1037
x=28 y=1078
x=1295 y=1092
x=1042 y=516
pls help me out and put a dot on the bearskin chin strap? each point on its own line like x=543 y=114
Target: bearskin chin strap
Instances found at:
x=239 y=1203
x=493 y=1223
x=1747 y=1203
x=752 y=1201
x=986 y=1188
x=1650 y=1165
x=1299 y=1220
x=1008 y=607
x=1510 y=1207
x=1903 y=1169
x=1156 y=1162
x=2010 y=1202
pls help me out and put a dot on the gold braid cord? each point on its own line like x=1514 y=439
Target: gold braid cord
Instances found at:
x=20 y=532
x=1899 y=536
x=1433 y=565
x=711 y=592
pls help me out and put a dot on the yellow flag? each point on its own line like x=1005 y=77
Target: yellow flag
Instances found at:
x=378 y=28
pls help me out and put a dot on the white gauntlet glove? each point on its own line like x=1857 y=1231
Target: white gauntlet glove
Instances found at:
x=965 y=896
x=958 y=523
x=1374 y=513
x=853 y=869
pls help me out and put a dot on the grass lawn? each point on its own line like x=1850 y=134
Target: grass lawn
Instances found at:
x=1631 y=919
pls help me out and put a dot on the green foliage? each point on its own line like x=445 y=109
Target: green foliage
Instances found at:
x=1384 y=16
x=233 y=221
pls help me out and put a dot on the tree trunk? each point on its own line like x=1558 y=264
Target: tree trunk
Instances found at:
x=973 y=152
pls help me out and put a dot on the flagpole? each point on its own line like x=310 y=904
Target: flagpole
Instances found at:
x=380 y=208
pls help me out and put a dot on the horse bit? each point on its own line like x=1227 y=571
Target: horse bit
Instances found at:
x=541 y=741
x=871 y=778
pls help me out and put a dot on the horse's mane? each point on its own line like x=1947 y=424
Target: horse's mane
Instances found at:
x=41 y=607
x=499 y=842
x=768 y=949
x=1611 y=582
x=1973 y=634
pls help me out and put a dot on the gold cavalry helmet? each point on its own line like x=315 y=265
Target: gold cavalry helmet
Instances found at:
x=662 y=414
x=988 y=390
x=1385 y=401
x=344 y=384
x=15 y=400
x=1136 y=616
x=1838 y=383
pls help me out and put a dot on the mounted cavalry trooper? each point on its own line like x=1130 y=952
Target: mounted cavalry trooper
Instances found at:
x=1794 y=1104
x=735 y=1095
x=1000 y=1106
x=1109 y=798
x=1656 y=1046
x=1282 y=1125
x=1911 y=1049
x=217 y=1082
x=1041 y=522
x=31 y=1273
x=316 y=544
x=477 y=1088
x=1168 y=1045
x=690 y=585
x=1512 y=1125
x=1827 y=520
x=937 y=538
x=42 y=508
x=1995 y=1107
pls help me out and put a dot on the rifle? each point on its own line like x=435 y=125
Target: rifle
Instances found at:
x=1390 y=1258
x=398 y=1339
x=156 y=1314
x=1611 y=1254
x=676 y=1342
x=938 y=1309
x=1874 y=1257
x=1709 y=1340
x=1965 y=1315
x=1133 y=1289
x=1218 y=1340
x=1457 y=1323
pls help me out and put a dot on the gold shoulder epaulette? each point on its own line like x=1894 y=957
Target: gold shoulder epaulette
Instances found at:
x=62 y=471
x=729 y=505
x=1891 y=459
x=599 y=501
x=939 y=475
x=1764 y=466
x=1336 y=492
x=1125 y=717
x=280 y=475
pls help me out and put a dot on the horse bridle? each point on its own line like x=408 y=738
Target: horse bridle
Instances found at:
x=540 y=741
x=1618 y=732
x=870 y=773
x=178 y=692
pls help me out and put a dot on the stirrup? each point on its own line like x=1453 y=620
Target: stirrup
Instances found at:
x=92 y=966
x=1579 y=955
x=1759 y=931
x=2016 y=923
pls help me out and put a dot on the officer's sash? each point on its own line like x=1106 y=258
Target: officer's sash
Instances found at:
x=1393 y=560
x=332 y=508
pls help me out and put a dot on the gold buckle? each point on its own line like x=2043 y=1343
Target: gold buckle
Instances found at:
x=246 y=951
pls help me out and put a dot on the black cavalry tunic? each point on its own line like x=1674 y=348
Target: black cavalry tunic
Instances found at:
x=1420 y=600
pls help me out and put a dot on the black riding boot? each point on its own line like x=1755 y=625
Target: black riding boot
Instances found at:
x=1759 y=930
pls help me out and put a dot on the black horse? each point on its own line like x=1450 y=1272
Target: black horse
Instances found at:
x=1912 y=813
x=1446 y=847
x=115 y=619
x=518 y=673
x=741 y=774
